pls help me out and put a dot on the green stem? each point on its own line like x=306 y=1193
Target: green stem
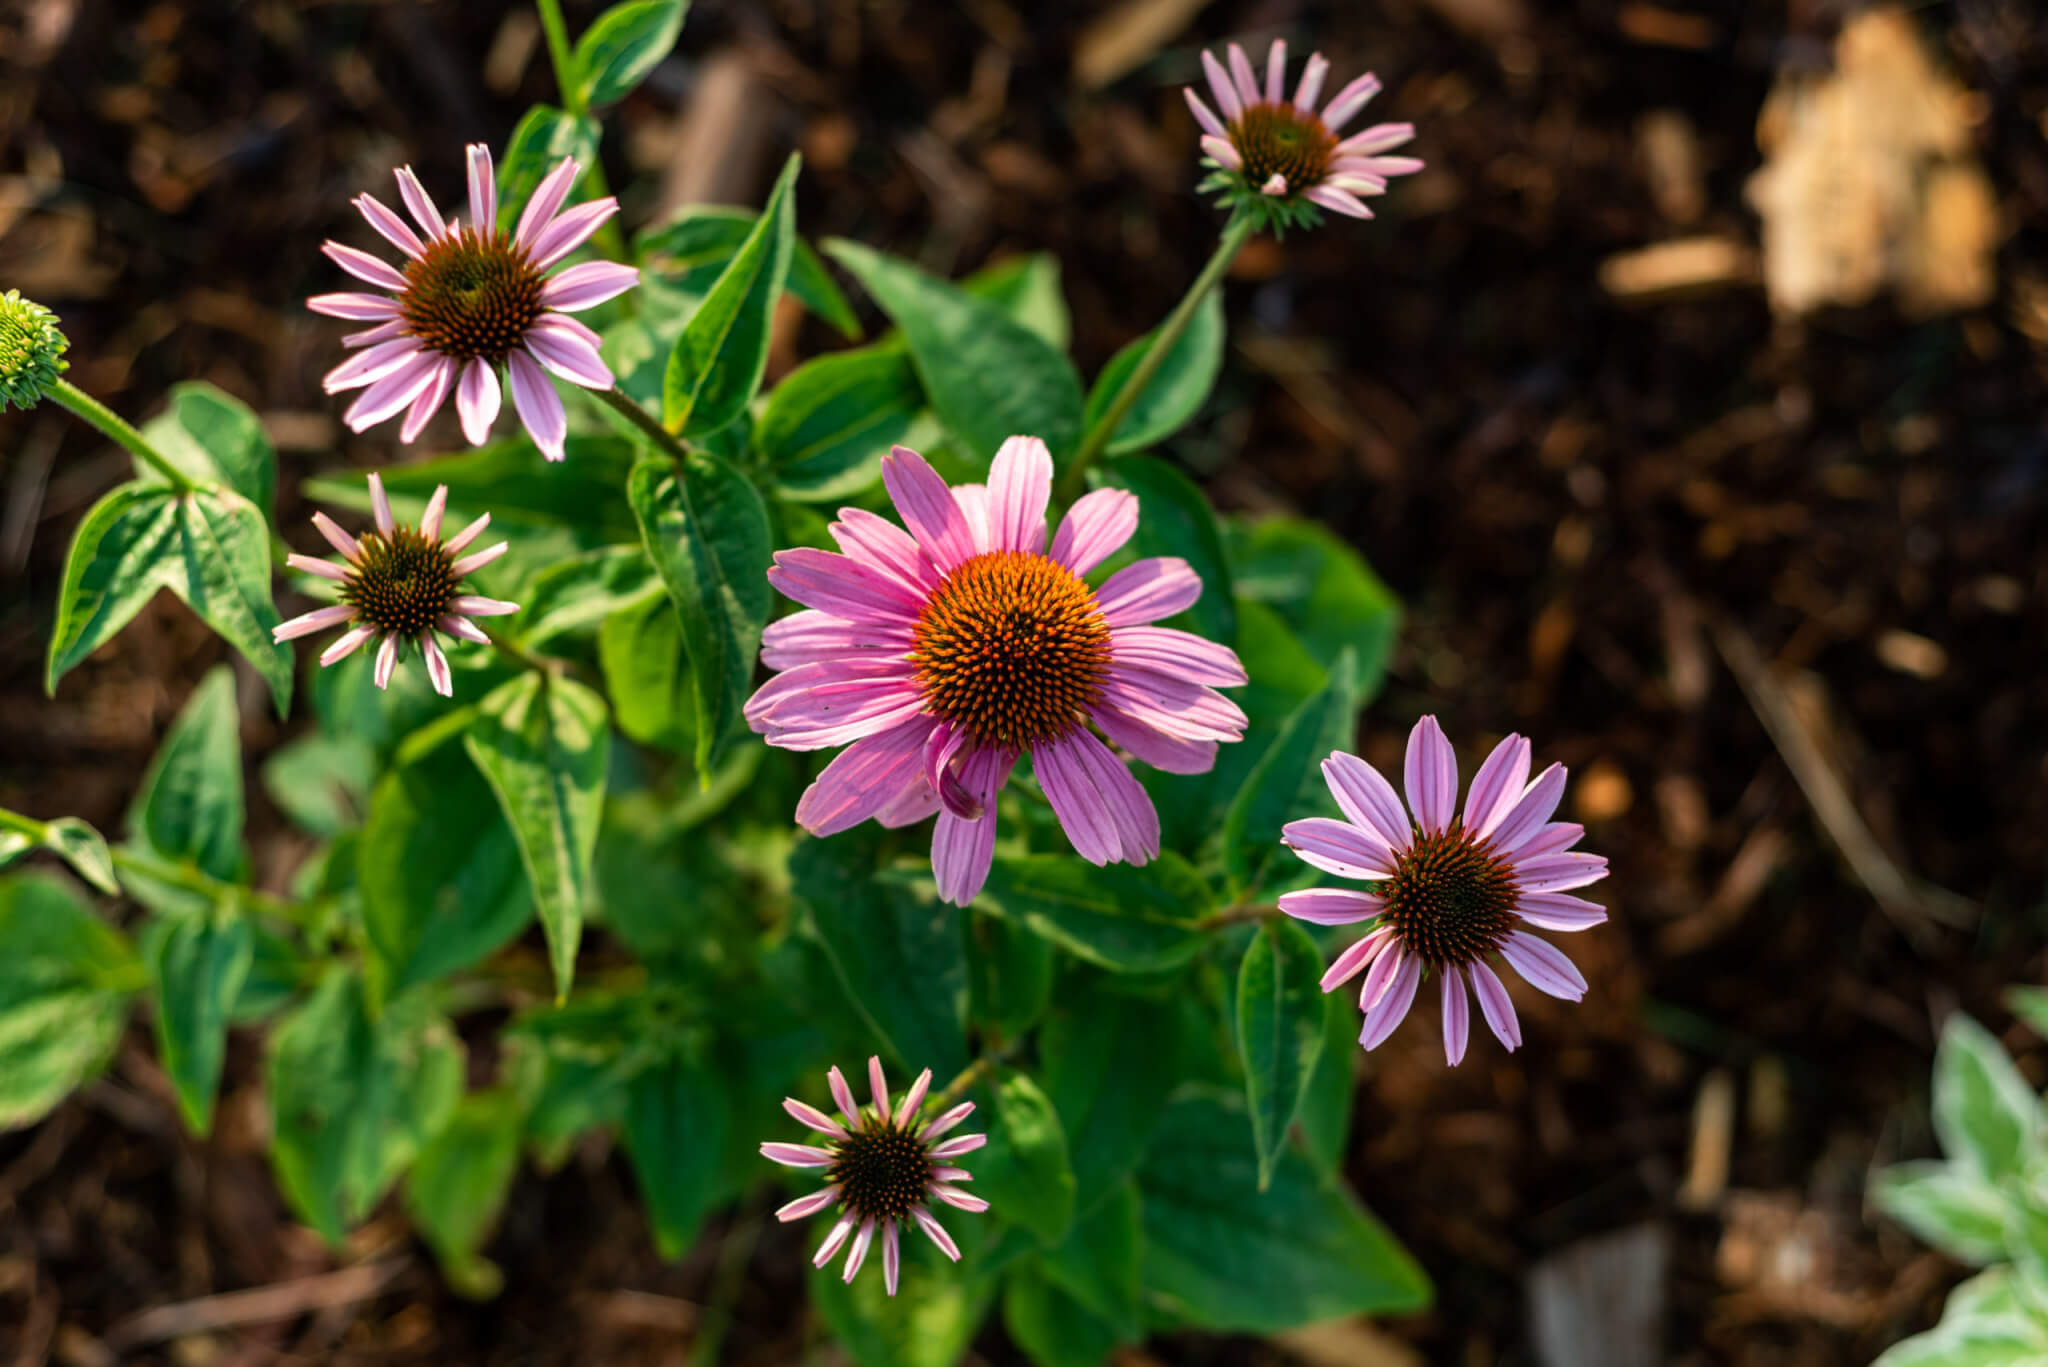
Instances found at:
x=609 y=240
x=121 y=430
x=519 y=655
x=623 y=405
x=1235 y=233
x=971 y=1074
x=1237 y=915
x=193 y=880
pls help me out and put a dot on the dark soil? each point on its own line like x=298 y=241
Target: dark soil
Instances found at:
x=1569 y=493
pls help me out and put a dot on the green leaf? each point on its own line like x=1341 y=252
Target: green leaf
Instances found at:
x=1279 y=1032
x=278 y=968
x=647 y=674
x=1101 y=1263
x=1221 y=1254
x=1109 y=1062
x=581 y=498
x=209 y=546
x=459 y=1183
x=353 y=1100
x=897 y=953
x=1326 y=1103
x=1961 y=1214
x=1985 y=1114
x=928 y=1323
x=2030 y=1004
x=1122 y=917
x=1287 y=783
x=190 y=806
x=830 y=422
x=722 y=352
x=70 y=839
x=1175 y=519
x=544 y=136
x=687 y=253
x=1027 y=288
x=988 y=376
x=214 y=437
x=1052 y=1328
x=65 y=981
x=1322 y=589
x=675 y=1135
x=707 y=534
x=1178 y=388
x=582 y=594
x=322 y=781
x=1010 y=967
x=1023 y=1172
x=197 y=965
x=615 y=54
x=2002 y=1342
x=438 y=867
x=544 y=745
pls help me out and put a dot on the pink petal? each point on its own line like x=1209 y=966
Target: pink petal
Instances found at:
x=808 y=1205
x=1496 y=1006
x=1104 y=811
x=1177 y=652
x=945 y=742
x=1226 y=95
x=1095 y=528
x=1336 y=201
x=391 y=393
x=471 y=605
x=380 y=505
x=892 y=1256
x=833 y=1240
x=364 y=266
x=962 y=850
x=1457 y=1016
x=569 y=356
x=1331 y=906
x=960 y=1199
x=319 y=619
x=467 y=535
x=483 y=189
x=387 y=656
x=357 y=308
x=797 y=1155
x=547 y=198
x=1349 y=101
x=1496 y=786
x=913 y=1099
x=1223 y=152
x=1203 y=115
x=1383 y=169
x=879 y=1085
x=1559 y=872
x=369 y=366
x=1276 y=185
x=1148 y=590
x=1559 y=911
x=842 y=1095
x=1160 y=749
x=1367 y=800
x=437 y=665
x=1393 y=1007
x=389 y=225
x=862 y=779
x=336 y=537
x=476 y=401
x=953 y=1148
x=881 y=545
x=540 y=408
x=813 y=637
x=1385 y=968
x=1170 y=705
x=326 y=569
x=816 y=1119
x=1311 y=82
x=859 y=1254
x=1551 y=839
x=437 y=508
x=461 y=628
x=430 y=399
x=1241 y=76
x=1431 y=776
x=1276 y=70
x=1532 y=807
x=346 y=645
x=1353 y=960
x=470 y=564
x=1544 y=965
x=842 y=586
x=946 y=1120
x=420 y=203
x=928 y=508
x=1381 y=137
x=1339 y=847
x=587 y=285
x=838 y=711
x=570 y=231
x=935 y=1232
x=1019 y=487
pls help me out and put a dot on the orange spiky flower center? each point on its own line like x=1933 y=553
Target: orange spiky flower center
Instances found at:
x=1278 y=138
x=1451 y=899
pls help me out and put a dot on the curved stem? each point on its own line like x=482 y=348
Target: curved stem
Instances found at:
x=1238 y=915
x=562 y=57
x=632 y=412
x=200 y=883
x=121 y=430
x=1235 y=233
x=971 y=1074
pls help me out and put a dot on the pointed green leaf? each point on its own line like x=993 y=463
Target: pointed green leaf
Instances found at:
x=675 y=1135
x=66 y=979
x=1050 y=1325
x=615 y=54
x=1023 y=1172
x=722 y=352
x=1287 y=783
x=1985 y=1114
x=70 y=839
x=544 y=745
x=707 y=533
x=1178 y=388
x=458 y=1186
x=1122 y=917
x=322 y=781
x=215 y=438
x=830 y=422
x=988 y=376
x=578 y=596
x=647 y=675
x=191 y=806
x=1279 y=1032
x=1175 y=519
x=1027 y=289
x=1322 y=588
x=197 y=965
x=1958 y=1212
x=1011 y=968
x=687 y=253
x=1102 y=1261
x=1110 y=1061
x=1326 y=1104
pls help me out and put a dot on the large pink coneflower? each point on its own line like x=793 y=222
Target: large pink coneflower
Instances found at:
x=1272 y=153
x=1451 y=891
x=939 y=656
x=468 y=301
x=882 y=1168
x=399 y=585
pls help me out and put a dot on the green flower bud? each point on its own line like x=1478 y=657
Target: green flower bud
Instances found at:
x=31 y=350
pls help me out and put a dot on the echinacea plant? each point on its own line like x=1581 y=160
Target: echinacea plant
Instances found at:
x=712 y=729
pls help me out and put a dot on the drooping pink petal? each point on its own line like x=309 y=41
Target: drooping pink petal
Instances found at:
x=959 y=1199
x=1223 y=152
x=1496 y=786
x=1102 y=808
x=419 y=203
x=1172 y=706
x=389 y=225
x=946 y=1120
x=477 y=399
x=569 y=356
x=1331 y=906
x=842 y=586
x=540 y=408
x=807 y=1114
x=1337 y=201
x=1457 y=1015
x=319 y=619
x=862 y=779
x=808 y=1205
x=347 y=645
x=1367 y=800
x=1431 y=776
x=892 y=1256
x=1339 y=847
x=483 y=189
x=392 y=392
x=1355 y=959
x=1311 y=82
x=1385 y=968
x=1381 y=137
x=1160 y=749
x=430 y=398
x=797 y=1155
x=437 y=665
x=1019 y=487
x=1226 y=94
x=1181 y=653
x=962 y=850
x=833 y=1240
x=368 y=366
x=842 y=1096
x=364 y=266
x=571 y=230
x=547 y=198
x=1241 y=77
x=1393 y=1007
x=1095 y=528
x=1276 y=70
x=326 y=569
x=1559 y=911
x=928 y=508
x=387 y=656
x=859 y=1253
x=945 y=742
x=1148 y=590
x=461 y=628
x=1532 y=807
x=357 y=308
x=1543 y=965
x=935 y=1232
x=1496 y=1006
x=1349 y=101
x=1203 y=114
x=587 y=285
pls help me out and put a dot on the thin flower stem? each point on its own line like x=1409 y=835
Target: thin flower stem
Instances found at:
x=121 y=430
x=971 y=1074
x=193 y=880
x=549 y=666
x=632 y=412
x=1235 y=233
x=608 y=238
x=1238 y=915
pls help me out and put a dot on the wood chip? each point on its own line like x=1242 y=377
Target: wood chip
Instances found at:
x=1713 y=1139
x=1126 y=37
x=1347 y=1343
x=1661 y=27
x=1912 y=654
x=1603 y=792
x=1600 y=1302
x=1669 y=149
x=1685 y=266
x=282 y=1301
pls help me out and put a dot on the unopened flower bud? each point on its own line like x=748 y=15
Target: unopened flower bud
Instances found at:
x=31 y=350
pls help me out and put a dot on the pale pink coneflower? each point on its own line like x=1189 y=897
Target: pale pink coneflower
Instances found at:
x=399 y=585
x=940 y=655
x=1267 y=147
x=467 y=301
x=883 y=1169
x=1450 y=891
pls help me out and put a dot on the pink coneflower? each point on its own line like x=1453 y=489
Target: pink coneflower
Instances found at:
x=1265 y=147
x=939 y=656
x=399 y=585
x=1451 y=891
x=469 y=300
x=882 y=1169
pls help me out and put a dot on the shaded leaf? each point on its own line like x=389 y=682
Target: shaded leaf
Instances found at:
x=1279 y=1032
x=66 y=979
x=459 y=1183
x=544 y=136
x=829 y=423
x=722 y=352
x=1175 y=519
x=197 y=966
x=1177 y=390
x=615 y=54
x=191 y=806
x=1122 y=917
x=1287 y=783
x=675 y=1134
